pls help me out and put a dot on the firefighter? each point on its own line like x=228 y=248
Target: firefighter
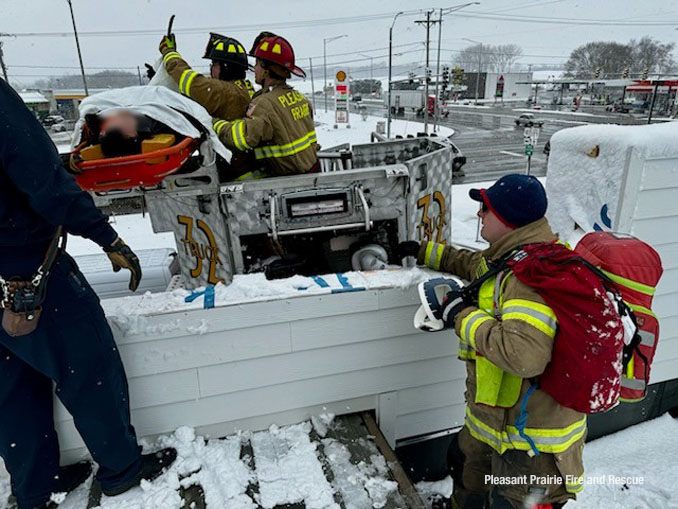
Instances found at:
x=71 y=344
x=506 y=342
x=228 y=92
x=278 y=126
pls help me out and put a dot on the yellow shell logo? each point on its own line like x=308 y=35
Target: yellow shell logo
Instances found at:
x=341 y=76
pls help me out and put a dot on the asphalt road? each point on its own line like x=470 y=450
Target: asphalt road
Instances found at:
x=492 y=143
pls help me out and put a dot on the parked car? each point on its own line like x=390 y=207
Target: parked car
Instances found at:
x=52 y=119
x=528 y=120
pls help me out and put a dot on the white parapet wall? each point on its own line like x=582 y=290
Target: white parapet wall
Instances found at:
x=624 y=179
x=247 y=365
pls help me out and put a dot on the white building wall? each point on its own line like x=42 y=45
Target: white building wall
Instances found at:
x=280 y=362
x=512 y=90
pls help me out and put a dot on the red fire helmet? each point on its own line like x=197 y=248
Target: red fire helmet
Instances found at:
x=277 y=50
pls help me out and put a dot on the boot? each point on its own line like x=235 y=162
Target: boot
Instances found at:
x=152 y=465
x=69 y=478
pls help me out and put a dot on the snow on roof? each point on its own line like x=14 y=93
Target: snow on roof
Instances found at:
x=586 y=168
x=32 y=97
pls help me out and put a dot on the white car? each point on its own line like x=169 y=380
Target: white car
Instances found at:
x=528 y=120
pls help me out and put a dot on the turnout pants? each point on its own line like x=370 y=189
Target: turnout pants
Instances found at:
x=73 y=348
x=473 y=487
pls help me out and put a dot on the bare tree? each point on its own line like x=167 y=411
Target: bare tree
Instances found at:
x=474 y=58
x=609 y=57
x=105 y=79
x=652 y=55
x=504 y=56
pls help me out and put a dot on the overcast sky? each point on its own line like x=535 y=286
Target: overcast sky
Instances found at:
x=304 y=23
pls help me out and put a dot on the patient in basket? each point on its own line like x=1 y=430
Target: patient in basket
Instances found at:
x=122 y=133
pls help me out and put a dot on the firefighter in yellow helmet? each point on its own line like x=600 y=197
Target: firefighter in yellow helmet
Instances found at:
x=278 y=126
x=227 y=93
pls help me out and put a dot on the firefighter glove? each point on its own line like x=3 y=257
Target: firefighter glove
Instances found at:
x=168 y=43
x=407 y=248
x=122 y=257
x=150 y=72
x=452 y=305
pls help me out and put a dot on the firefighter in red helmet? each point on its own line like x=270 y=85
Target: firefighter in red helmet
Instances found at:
x=278 y=126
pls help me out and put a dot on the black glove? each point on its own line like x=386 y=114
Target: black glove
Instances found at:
x=122 y=257
x=407 y=248
x=452 y=305
x=150 y=72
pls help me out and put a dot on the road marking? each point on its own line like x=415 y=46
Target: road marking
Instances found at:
x=514 y=154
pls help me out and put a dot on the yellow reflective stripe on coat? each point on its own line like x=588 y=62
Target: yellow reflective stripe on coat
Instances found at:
x=466 y=353
x=630 y=283
x=238 y=135
x=470 y=324
x=169 y=56
x=185 y=81
x=482 y=268
x=294 y=147
x=548 y=440
x=219 y=126
x=538 y=315
x=434 y=255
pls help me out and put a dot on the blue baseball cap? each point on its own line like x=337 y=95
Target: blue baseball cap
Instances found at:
x=515 y=199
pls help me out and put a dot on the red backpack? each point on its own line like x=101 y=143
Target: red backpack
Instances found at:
x=590 y=353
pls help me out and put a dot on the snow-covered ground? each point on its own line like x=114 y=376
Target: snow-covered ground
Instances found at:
x=632 y=469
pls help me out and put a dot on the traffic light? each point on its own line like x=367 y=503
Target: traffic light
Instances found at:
x=596 y=73
x=625 y=73
x=645 y=73
x=428 y=75
x=446 y=76
x=457 y=76
x=410 y=77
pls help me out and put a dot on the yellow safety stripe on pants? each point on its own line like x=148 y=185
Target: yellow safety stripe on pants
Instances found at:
x=238 y=135
x=538 y=315
x=251 y=175
x=635 y=384
x=434 y=255
x=574 y=487
x=294 y=147
x=185 y=81
x=470 y=324
x=548 y=440
x=631 y=284
x=219 y=126
x=169 y=56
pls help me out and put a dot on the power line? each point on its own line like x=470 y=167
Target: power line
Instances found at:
x=565 y=21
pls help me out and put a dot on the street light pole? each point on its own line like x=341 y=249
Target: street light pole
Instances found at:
x=390 y=62
x=77 y=44
x=325 y=41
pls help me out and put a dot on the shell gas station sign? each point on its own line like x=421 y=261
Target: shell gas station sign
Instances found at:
x=342 y=91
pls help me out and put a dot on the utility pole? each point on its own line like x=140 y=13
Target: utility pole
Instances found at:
x=436 y=107
x=310 y=63
x=325 y=41
x=390 y=62
x=139 y=74
x=2 y=63
x=77 y=43
x=427 y=73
